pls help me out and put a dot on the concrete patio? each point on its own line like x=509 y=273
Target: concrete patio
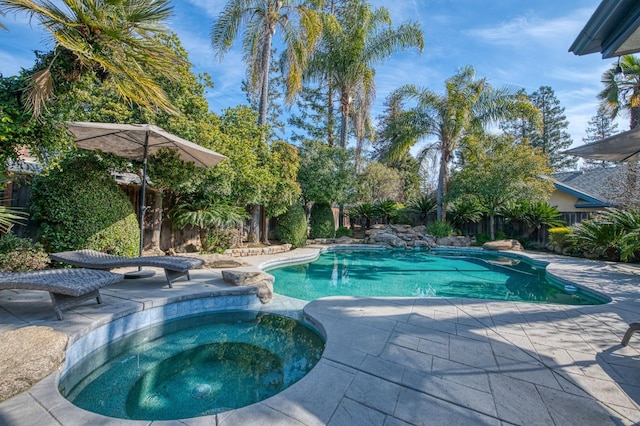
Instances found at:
x=398 y=361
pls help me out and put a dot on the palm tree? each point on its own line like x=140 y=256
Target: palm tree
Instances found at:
x=205 y=211
x=349 y=51
x=467 y=106
x=300 y=25
x=623 y=92
x=116 y=38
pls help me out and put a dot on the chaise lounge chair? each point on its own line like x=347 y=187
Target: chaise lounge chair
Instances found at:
x=174 y=266
x=67 y=287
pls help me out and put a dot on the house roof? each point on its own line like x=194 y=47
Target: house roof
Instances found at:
x=613 y=30
x=590 y=186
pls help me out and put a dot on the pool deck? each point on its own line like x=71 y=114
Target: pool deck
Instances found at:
x=399 y=361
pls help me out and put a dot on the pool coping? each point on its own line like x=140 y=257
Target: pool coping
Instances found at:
x=44 y=402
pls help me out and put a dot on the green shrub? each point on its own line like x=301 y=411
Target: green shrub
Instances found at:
x=439 y=229
x=343 y=232
x=221 y=239
x=292 y=226
x=612 y=234
x=482 y=238
x=559 y=236
x=21 y=254
x=322 y=222
x=78 y=205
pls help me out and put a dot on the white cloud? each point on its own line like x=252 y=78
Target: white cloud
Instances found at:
x=524 y=30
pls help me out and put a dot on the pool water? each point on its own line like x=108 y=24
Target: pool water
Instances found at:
x=194 y=366
x=387 y=273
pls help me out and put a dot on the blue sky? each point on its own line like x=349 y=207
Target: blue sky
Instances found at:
x=516 y=43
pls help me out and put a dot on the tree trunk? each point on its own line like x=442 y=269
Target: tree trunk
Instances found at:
x=492 y=227
x=264 y=79
x=441 y=211
x=330 y=122
x=635 y=116
x=264 y=225
x=204 y=241
x=254 y=226
x=344 y=109
x=157 y=220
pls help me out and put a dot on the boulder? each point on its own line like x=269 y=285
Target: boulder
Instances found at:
x=420 y=229
x=390 y=239
x=502 y=245
x=424 y=243
x=344 y=240
x=261 y=280
x=28 y=355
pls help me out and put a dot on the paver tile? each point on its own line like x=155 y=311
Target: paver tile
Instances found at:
x=419 y=409
x=350 y=413
x=518 y=402
x=450 y=391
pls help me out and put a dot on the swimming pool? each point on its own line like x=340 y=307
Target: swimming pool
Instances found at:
x=399 y=273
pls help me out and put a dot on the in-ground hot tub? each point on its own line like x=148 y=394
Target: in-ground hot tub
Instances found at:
x=193 y=366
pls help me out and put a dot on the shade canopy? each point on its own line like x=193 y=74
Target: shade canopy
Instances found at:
x=137 y=142
x=128 y=141
x=621 y=147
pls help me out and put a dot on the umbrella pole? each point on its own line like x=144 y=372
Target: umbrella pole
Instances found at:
x=143 y=207
x=142 y=273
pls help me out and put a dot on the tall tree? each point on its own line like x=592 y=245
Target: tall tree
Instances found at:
x=622 y=91
x=600 y=126
x=350 y=50
x=326 y=174
x=115 y=38
x=498 y=171
x=468 y=105
x=300 y=25
x=552 y=138
x=312 y=117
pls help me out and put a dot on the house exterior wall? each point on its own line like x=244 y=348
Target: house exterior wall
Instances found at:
x=566 y=203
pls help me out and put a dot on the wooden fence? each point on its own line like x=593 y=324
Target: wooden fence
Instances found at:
x=18 y=194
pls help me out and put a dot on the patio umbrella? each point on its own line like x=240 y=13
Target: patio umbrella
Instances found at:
x=136 y=142
x=624 y=146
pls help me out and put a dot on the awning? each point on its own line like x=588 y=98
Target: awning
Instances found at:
x=613 y=30
x=621 y=147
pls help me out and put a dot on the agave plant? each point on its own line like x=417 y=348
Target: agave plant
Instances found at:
x=9 y=216
x=613 y=234
x=464 y=211
x=531 y=215
x=206 y=212
x=387 y=209
x=422 y=206
x=364 y=211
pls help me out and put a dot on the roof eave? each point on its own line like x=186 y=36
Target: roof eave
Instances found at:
x=608 y=28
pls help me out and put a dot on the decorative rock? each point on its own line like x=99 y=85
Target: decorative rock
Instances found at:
x=502 y=245
x=424 y=243
x=257 y=251
x=420 y=229
x=261 y=280
x=224 y=263
x=390 y=239
x=28 y=355
x=344 y=240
